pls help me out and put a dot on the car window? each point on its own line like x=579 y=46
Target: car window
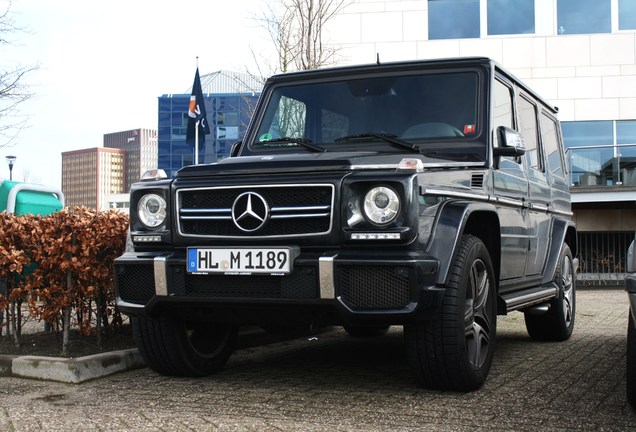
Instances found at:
x=414 y=107
x=550 y=139
x=528 y=129
x=502 y=108
x=502 y=115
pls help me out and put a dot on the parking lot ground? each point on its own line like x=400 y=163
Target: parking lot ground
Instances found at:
x=333 y=382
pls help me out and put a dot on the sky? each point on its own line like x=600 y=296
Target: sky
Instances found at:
x=103 y=64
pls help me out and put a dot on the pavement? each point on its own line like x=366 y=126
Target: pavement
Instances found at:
x=81 y=369
x=333 y=382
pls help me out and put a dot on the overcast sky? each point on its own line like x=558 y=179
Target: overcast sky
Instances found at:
x=102 y=65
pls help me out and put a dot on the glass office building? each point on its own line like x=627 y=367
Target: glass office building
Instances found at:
x=229 y=98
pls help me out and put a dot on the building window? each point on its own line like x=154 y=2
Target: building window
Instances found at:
x=453 y=19
x=510 y=17
x=626 y=137
x=587 y=133
x=626 y=15
x=591 y=150
x=583 y=16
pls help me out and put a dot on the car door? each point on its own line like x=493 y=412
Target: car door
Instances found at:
x=510 y=188
x=539 y=195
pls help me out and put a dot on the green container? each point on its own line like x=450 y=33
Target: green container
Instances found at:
x=31 y=199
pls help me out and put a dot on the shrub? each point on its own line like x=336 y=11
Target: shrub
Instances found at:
x=60 y=264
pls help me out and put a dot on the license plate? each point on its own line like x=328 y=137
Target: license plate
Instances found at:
x=273 y=261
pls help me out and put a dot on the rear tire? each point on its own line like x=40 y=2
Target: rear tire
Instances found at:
x=178 y=348
x=557 y=323
x=454 y=350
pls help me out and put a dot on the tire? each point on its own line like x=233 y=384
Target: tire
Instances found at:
x=367 y=331
x=557 y=323
x=631 y=362
x=177 y=348
x=454 y=350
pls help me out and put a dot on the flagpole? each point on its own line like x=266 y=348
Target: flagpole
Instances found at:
x=196 y=133
x=196 y=142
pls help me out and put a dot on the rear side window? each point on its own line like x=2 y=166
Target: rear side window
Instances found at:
x=550 y=138
x=528 y=130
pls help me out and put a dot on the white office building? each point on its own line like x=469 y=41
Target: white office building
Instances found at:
x=578 y=54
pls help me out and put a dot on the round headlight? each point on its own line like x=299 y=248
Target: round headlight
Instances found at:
x=152 y=210
x=381 y=205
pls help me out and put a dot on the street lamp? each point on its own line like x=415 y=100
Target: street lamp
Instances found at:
x=11 y=161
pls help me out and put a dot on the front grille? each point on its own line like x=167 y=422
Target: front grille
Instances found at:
x=294 y=210
x=135 y=283
x=374 y=287
x=301 y=285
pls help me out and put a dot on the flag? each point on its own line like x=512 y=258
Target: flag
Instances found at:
x=196 y=113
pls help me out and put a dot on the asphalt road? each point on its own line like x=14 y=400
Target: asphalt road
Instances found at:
x=333 y=382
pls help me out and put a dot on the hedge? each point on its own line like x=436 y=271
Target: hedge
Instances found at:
x=61 y=266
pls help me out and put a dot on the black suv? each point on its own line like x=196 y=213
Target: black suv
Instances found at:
x=432 y=195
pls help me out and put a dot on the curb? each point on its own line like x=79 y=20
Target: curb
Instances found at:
x=71 y=370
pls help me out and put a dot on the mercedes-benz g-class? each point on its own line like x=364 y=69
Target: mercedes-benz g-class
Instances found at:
x=431 y=195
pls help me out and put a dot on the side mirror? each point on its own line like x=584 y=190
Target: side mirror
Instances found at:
x=510 y=143
x=236 y=149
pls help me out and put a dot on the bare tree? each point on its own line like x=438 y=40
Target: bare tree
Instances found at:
x=28 y=177
x=13 y=91
x=296 y=28
x=311 y=19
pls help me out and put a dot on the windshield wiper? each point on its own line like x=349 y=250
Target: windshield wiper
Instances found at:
x=291 y=140
x=390 y=138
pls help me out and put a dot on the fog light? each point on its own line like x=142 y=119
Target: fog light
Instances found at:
x=375 y=236
x=147 y=238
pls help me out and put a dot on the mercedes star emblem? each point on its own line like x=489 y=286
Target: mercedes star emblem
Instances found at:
x=249 y=211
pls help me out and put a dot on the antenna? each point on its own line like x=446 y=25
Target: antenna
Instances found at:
x=377 y=58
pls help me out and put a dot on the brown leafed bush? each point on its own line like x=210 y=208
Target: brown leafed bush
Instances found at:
x=62 y=265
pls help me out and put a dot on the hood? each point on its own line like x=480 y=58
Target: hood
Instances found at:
x=295 y=162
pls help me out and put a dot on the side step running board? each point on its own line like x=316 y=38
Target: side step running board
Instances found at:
x=529 y=297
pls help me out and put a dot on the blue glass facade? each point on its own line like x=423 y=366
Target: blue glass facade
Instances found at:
x=228 y=117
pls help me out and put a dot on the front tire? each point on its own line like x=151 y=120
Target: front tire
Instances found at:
x=178 y=348
x=557 y=323
x=454 y=350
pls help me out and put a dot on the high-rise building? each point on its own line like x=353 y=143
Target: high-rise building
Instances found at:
x=140 y=146
x=229 y=99
x=90 y=174
x=99 y=177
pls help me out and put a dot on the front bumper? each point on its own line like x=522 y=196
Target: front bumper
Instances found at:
x=348 y=287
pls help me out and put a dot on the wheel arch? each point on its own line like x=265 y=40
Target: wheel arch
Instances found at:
x=563 y=232
x=485 y=225
x=457 y=219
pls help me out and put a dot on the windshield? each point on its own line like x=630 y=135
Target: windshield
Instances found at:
x=427 y=113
